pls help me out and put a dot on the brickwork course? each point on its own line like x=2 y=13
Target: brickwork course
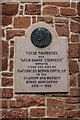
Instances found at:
x=16 y=18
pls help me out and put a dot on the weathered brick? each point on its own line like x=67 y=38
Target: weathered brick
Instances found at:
x=45 y=19
x=7 y=82
x=73 y=80
x=61 y=20
x=50 y=10
x=21 y=12
x=62 y=29
x=22 y=22
x=73 y=113
x=7 y=74
x=11 y=65
x=6 y=20
x=4 y=64
x=33 y=19
x=12 y=33
x=73 y=67
x=78 y=8
x=68 y=11
x=75 y=27
x=61 y=4
x=5 y=49
x=12 y=104
x=75 y=92
x=25 y=101
x=55 y=107
x=76 y=18
x=71 y=107
x=79 y=79
x=73 y=4
x=12 y=43
x=33 y=9
x=73 y=50
x=72 y=100
x=15 y=114
x=74 y=38
x=37 y=112
x=3 y=34
x=9 y=9
x=21 y=7
x=3 y=104
x=11 y=52
x=7 y=93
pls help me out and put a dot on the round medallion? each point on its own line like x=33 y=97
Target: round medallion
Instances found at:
x=41 y=37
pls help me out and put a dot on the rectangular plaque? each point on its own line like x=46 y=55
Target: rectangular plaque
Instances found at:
x=41 y=69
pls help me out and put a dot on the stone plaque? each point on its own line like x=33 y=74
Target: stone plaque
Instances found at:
x=41 y=63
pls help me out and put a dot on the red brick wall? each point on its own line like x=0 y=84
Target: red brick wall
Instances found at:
x=16 y=18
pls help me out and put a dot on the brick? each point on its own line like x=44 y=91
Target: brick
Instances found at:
x=45 y=19
x=21 y=7
x=5 y=49
x=7 y=93
x=79 y=80
x=9 y=9
x=33 y=19
x=15 y=114
x=11 y=65
x=73 y=4
x=79 y=60
x=75 y=92
x=26 y=101
x=72 y=100
x=21 y=12
x=62 y=29
x=73 y=50
x=61 y=4
x=74 y=38
x=6 y=20
x=71 y=107
x=7 y=74
x=72 y=114
x=75 y=27
x=68 y=11
x=73 y=67
x=22 y=22
x=12 y=104
x=76 y=18
x=4 y=64
x=50 y=10
x=11 y=52
x=33 y=9
x=3 y=104
x=3 y=34
x=55 y=108
x=12 y=43
x=73 y=80
x=37 y=112
x=12 y=33
x=78 y=8
x=61 y=20
x=7 y=81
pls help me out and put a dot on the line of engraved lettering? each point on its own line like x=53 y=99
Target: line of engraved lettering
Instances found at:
x=42 y=53
x=41 y=60
x=41 y=70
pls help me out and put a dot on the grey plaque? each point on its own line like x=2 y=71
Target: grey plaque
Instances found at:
x=41 y=63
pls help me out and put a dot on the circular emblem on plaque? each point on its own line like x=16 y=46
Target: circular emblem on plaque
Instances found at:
x=41 y=37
